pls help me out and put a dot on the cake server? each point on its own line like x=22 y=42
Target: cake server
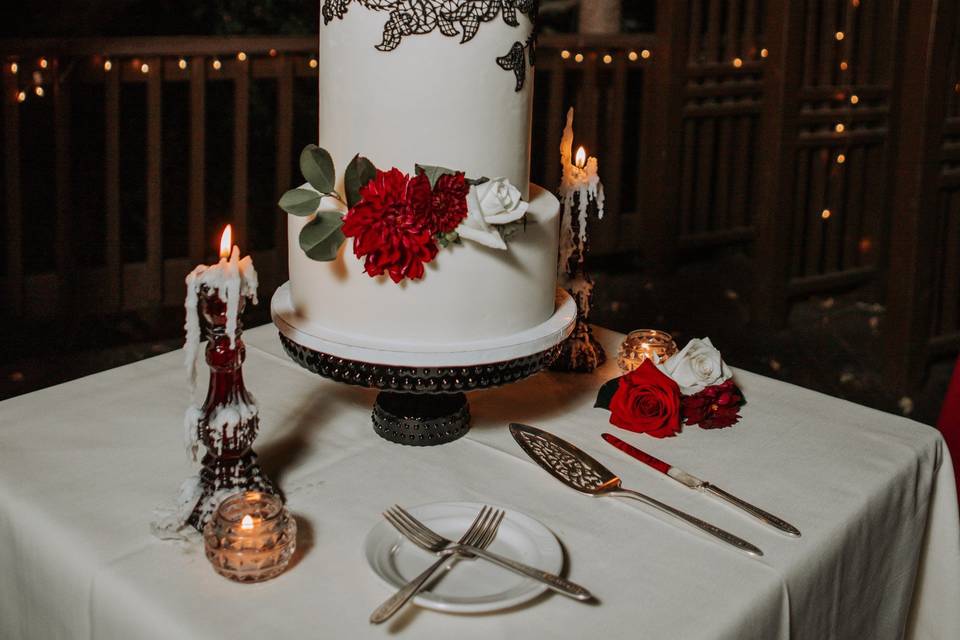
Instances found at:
x=693 y=482
x=577 y=470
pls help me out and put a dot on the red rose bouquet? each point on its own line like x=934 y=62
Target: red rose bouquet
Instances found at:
x=651 y=400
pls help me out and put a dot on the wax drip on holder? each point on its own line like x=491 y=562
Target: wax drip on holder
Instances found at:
x=227 y=422
x=580 y=188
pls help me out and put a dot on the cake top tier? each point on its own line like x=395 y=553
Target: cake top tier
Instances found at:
x=431 y=82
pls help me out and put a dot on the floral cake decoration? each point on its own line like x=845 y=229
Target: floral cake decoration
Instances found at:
x=398 y=222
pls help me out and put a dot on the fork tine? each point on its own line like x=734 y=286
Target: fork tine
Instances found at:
x=406 y=531
x=481 y=531
x=491 y=532
x=424 y=530
x=474 y=528
x=414 y=531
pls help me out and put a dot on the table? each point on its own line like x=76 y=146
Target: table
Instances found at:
x=83 y=465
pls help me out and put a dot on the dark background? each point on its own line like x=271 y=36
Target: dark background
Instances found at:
x=833 y=342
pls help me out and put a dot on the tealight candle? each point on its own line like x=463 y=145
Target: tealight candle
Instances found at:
x=251 y=537
x=642 y=344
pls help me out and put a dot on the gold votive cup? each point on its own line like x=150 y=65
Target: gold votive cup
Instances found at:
x=251 y=537
x=644 y=344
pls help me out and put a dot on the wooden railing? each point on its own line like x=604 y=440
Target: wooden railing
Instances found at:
x=156 y=222
x=822 y=136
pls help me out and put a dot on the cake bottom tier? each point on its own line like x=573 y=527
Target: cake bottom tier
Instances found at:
x=469 y=292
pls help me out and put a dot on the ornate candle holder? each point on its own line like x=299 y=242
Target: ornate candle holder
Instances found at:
x=251 y=537
x=581 y=352
x=228 y=421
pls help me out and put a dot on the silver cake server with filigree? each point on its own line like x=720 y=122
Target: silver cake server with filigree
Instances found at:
x=577 y=470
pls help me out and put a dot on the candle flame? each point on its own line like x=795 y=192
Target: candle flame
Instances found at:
x=247 y=523
x=226 y=241
x=581 y=159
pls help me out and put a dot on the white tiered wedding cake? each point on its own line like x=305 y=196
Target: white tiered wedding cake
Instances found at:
x=454 y=246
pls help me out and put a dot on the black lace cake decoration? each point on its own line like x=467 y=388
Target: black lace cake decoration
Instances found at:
x=451 y=18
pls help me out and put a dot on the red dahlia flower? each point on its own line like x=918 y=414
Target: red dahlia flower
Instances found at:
x=392 y=226
x=449 y=205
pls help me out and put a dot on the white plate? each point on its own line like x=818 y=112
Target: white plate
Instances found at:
x=471 y=586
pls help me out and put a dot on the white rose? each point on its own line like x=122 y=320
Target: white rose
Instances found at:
x=697 y=366
x=494 y=202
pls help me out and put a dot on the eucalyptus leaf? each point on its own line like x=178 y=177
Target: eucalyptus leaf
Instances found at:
x=317 y=167
x=359 y=173
x=605 y=395
x=321 y=238
x=433 y=173
x=300 y=202
x=475 y=182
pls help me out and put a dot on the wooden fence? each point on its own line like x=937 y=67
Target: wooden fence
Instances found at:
x=822 y=136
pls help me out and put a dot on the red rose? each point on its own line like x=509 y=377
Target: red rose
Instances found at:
x=647 y=401
x=391 y=225
x=715 y=407
x=449 y=204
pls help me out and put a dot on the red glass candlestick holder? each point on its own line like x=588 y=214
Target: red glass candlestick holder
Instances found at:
x=228 y=421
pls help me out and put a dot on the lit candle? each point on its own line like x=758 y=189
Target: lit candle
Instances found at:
x=230 y=279
x=580 y=186
x=251 y=537
x=645 y=344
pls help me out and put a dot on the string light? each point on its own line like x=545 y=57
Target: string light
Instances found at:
x=216 y=64
x=737 y=62
x=634 y=56
x=841 y=158
x=843 y=65
x=107 y=65
x=22 y=96
x=839 y=128
x=578 y=57
x=144 y=68
x=38 y=90
x=854 y=99
x=855 y=3
x=313 y=63
x=14 y=67
x=241 y=56
x=607 y=59
x=839 y=35
x=273 y=53
x=645 y=54
x=182 y=63
x=825 y=214
x=764 y=53
x=44 y=63
x=565 y=54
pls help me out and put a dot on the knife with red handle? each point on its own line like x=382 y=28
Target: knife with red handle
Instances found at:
x=693 y=482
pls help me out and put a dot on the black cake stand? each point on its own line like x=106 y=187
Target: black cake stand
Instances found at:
x=422 y=399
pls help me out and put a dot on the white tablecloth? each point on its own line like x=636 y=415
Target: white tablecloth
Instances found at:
x=83 y=465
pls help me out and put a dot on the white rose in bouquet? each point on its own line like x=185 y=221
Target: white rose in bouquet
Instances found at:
x=697 y=366
x=495 y=202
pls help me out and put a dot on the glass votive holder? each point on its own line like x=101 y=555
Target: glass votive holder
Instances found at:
x=251 y=537
x=642 y=344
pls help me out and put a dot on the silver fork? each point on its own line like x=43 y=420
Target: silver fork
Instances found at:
x=425 y=538
x=480 y=534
